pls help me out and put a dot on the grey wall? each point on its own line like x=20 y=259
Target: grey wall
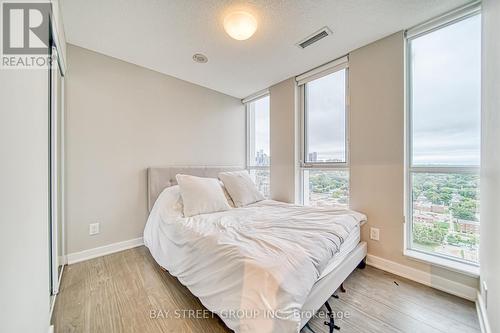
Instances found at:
x=283 y=139
x=121 y=119
x=377 y=141
x=376 y=77
x=376 y=125
x=490 y=162
x=24 y=223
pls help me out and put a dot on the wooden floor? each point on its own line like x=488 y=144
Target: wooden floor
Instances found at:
x=123 y=291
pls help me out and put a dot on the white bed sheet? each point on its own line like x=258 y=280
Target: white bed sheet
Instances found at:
x=347 y=246
x=264 y=258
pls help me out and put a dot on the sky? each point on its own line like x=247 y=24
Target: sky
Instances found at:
x=325 y=117
x=262 y=125
x=446 y=95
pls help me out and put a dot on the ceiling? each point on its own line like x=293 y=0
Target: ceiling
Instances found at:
x=163 y=35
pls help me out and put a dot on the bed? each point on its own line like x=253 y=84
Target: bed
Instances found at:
x=249 y=265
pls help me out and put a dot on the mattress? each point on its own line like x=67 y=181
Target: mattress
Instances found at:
x=253 y=266
x=347 y=246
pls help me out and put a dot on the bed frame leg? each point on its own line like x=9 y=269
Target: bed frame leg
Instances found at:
x=309 y=327
x=362 y=264
x=331 y=324
x=342 y=289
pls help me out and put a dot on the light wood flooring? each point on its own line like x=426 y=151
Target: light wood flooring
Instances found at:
x=118 y=292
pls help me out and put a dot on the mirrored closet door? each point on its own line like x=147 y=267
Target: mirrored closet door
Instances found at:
x=56 y=129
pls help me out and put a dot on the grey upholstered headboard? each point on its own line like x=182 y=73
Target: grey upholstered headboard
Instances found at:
x=160 y=178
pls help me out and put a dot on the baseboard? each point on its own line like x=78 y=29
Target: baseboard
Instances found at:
x=482 y=314
x=426 y=278
x=103 y=250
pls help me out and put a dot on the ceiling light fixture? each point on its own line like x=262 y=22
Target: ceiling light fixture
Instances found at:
x=240 y=25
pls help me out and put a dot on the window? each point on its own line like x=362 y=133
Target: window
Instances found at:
x=258 y=148
x=443 y=147
x=324 y=166
x=326 y=187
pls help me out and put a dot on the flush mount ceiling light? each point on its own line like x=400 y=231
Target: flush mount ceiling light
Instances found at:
x=240 y=25
x=201 y=58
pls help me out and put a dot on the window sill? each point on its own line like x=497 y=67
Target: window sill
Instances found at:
x=456 y=266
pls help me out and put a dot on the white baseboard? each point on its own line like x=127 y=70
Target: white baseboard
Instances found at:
x=482 y=314
x=426 y=278
x=103 y=250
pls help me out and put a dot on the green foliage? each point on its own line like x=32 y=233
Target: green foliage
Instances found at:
x=457 y=191
x=334 y=183
x=459 y=239
x=465 y=209
x=430 y=235
x=443 y=225
x=459 y=194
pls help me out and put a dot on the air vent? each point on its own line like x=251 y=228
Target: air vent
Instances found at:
x=315 y=37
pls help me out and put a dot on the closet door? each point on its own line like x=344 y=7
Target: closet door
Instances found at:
x=57 y=249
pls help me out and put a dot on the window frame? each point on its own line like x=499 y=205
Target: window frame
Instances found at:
x=248 y=136
x=456 y=264
x=338 y=166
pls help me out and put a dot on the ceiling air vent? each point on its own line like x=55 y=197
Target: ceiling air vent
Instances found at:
x=308 y=41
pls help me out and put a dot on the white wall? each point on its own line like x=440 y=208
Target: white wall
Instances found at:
x=490 y=162
x=24 y=197
x=24 y=233
x=121 y=119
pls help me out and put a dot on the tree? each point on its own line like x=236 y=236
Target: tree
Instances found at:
x=425 y=234
x=464 y=210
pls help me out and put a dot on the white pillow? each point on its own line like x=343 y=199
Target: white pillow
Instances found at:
x=170 y=202
x=241 y=188
x=201 y=195
x=226 y=194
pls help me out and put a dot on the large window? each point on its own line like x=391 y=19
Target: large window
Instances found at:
x=258 y=148
x=444 y=66
x=324 y=163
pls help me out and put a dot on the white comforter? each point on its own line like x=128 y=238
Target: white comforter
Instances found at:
x=253 y=266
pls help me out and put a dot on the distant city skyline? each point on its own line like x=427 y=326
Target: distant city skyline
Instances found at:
x=316 y=157
x=262 y=159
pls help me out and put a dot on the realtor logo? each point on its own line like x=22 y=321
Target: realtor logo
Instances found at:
x=25 y=28
x=25 y=31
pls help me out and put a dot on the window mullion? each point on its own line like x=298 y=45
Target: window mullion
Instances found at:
x=324 y=166
x=444 y=169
